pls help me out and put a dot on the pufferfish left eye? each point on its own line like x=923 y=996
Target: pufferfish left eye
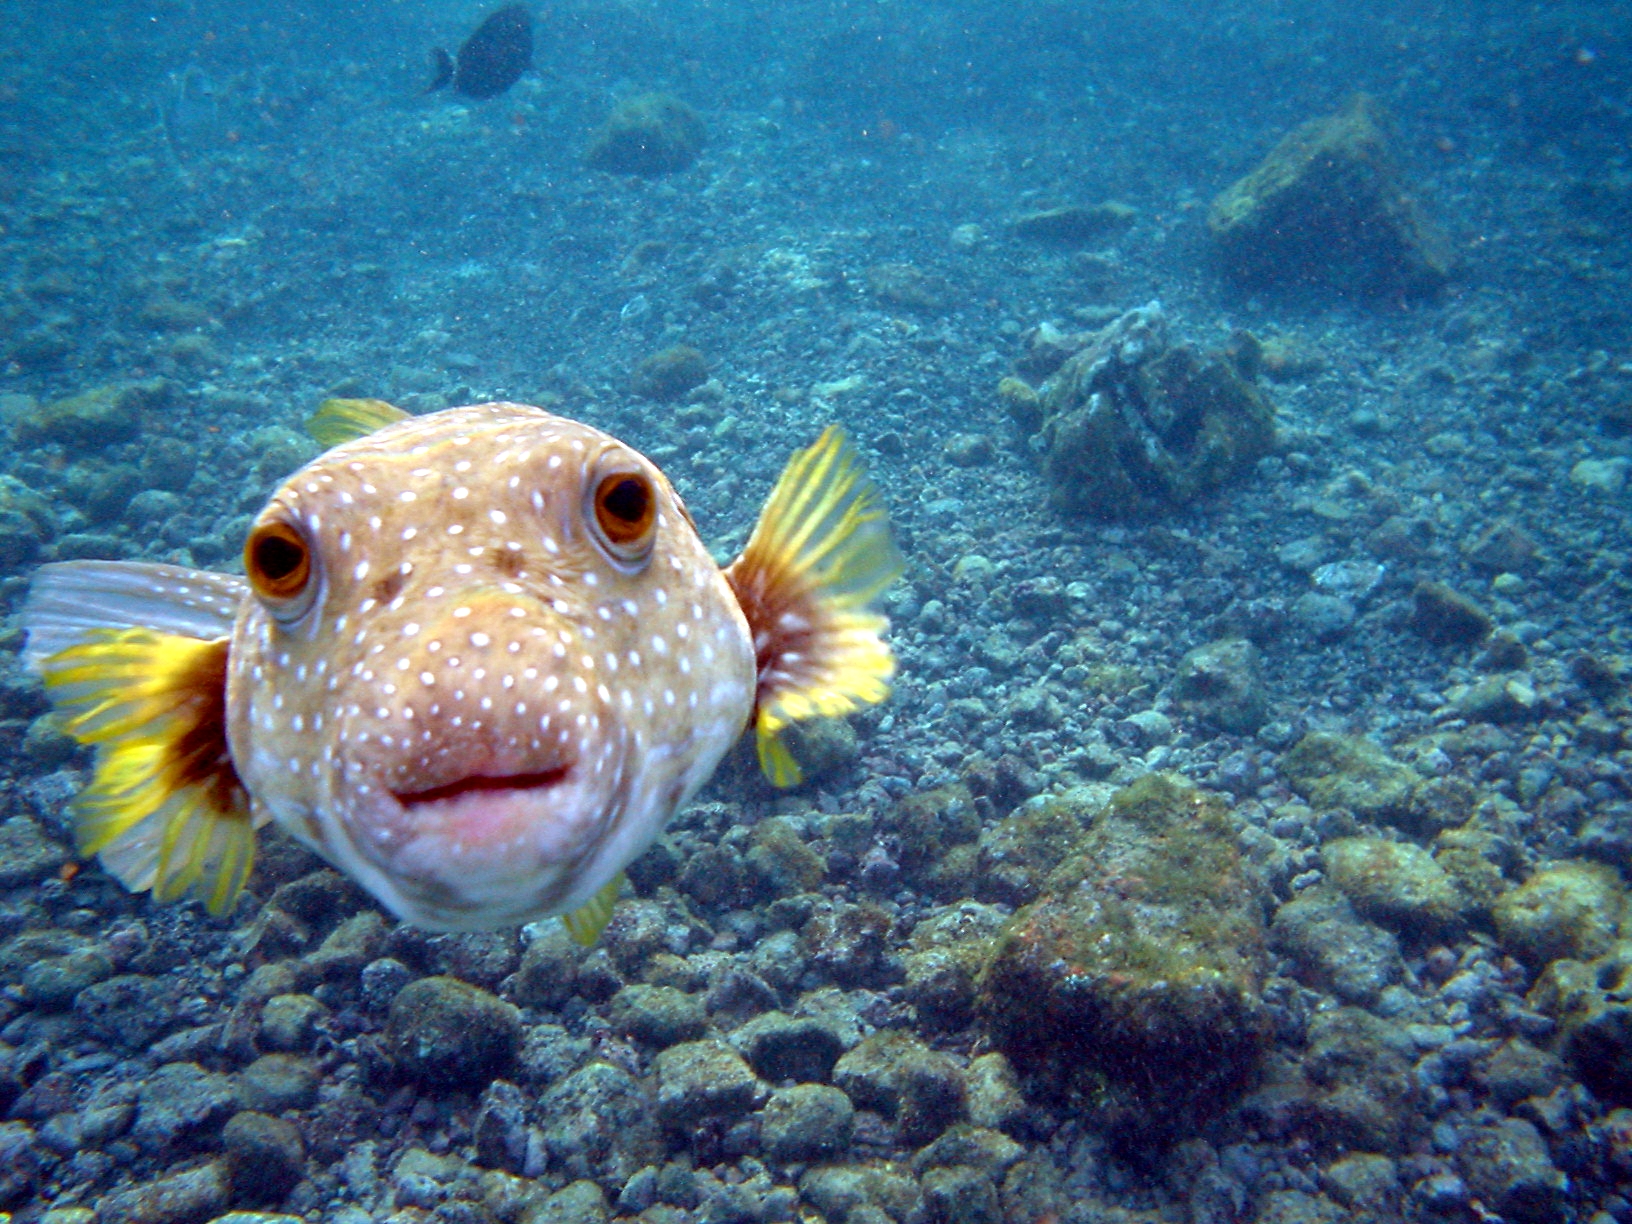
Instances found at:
x=623 y=516
x=278 y=564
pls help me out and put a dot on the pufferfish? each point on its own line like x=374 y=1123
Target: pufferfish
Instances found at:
x=476 y=661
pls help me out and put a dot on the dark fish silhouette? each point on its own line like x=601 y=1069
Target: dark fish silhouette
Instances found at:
x=492 y=59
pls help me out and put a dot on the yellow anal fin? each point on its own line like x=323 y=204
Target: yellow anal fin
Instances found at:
x=586 y=923
x=342 y=420
x=821 y=551
x=165 y=809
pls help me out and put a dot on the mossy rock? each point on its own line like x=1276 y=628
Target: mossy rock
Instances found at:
x=667 y=375
x=1396 y=883
x=1349 y=771
x=1145 y=949
x=1135 y=426
x=1018 y=852
x=649 y=134
x=1074 y=224
x=1328 y=206
x=100 y=416
x=1570 y=909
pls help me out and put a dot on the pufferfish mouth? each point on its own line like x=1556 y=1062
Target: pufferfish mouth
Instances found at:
x=479 y=784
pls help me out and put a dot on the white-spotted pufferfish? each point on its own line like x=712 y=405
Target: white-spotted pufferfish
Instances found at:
x=477 y=660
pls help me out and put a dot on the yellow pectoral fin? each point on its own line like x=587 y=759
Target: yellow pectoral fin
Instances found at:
x=165 y=810
x=342 y=420
x=586 y=923
x=820 y=552
x=775 y=761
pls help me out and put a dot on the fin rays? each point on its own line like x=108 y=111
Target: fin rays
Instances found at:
x=165 y=810
x=820 y=553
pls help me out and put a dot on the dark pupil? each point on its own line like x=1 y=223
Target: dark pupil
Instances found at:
x=626 y=500
x=277 y=557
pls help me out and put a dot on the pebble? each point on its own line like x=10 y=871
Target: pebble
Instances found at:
x=444 y=1032
x=276 y=1082
x=806 y=1122
x=180 y=1198
x=266 y=1155
x=181 y=1101
x=701 y=1079
x=1323 y=617
x=783 y=1047
x=658 y=1016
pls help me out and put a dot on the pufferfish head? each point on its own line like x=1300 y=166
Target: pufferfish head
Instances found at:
x=486 y=657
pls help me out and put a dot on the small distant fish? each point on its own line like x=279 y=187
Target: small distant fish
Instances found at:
x=477 y=660
x=492 y=59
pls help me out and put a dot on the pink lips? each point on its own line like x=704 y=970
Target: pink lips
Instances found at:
x=488 y=818
x=541 y=780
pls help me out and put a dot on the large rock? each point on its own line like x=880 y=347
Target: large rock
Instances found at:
x=704 y=1079
x=1570 y=909
x=1333 y=949
x=1328 y=206
x=1508 y=1166
x=921 y=1090
x=442 y=1032
x=1223 y=684
x=1134 y=426
x=1395 y=883
x=600 y=1123
x=649 y=134
x=1349 y=771
x=1145 y=950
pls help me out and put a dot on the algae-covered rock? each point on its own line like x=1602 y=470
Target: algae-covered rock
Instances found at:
x=704 y=1079
x=892 y=1072
x=806 y=1122
x=1570 y=910
x=1223 y=683
x=1446 y=617
x=948 y=950
x=1395 y=883
x=1333 y=948
x=902 y=284
x=1508 y=1166
x=1134 y=425
x=27 y=523
x=1328 y=206
x=1589 y=1000
x=659 y=1016
x=1074 y=225
x=648 y=134
x=1348 y=771
x=670 y=373
x=783 y=1047
x=1017 y=853
x=1145 y=949
x=857 y=1192
x=100 y=416
x=1365 y=1096
x=600 y=1123
x=444 y=1032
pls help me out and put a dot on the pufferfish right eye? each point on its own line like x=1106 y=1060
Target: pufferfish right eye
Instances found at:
x=623 y=509
x=278 y=563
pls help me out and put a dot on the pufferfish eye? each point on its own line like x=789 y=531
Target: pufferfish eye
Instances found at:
x=278 y=562
x=623 y=514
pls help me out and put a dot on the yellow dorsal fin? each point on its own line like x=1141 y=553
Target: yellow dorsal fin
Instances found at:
x=341 y=420
x=820 y=553
x=165 y=810
x=586 y=923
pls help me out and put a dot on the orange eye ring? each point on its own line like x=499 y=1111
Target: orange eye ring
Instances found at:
x=624 y=506
x=278 y=562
